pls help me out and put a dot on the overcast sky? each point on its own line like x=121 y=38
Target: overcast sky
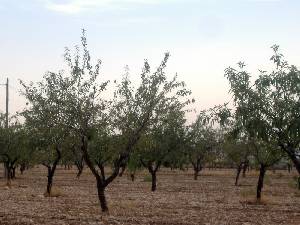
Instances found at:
x=203 y=37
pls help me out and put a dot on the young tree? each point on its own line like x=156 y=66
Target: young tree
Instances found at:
x=237 y=152
x=78 y=159
x=266 y=155
x=84 y=107
x=270 y=105
x=163 y=139
x=137 y=110
x=45 y=118
x=134 y=164
x=201 y=140
x=12 y=146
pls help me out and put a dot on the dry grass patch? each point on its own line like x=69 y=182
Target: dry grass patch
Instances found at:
x=249 y=197
x=267 y=180
x=246 y=193
x=55 y=192
x=297 y=194
x=279 y=175
x=255 y=201
x=147 y=178
x=293 y=183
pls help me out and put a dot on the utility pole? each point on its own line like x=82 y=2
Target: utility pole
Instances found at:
x=6 y=123
x=6 y=115
x=6 y=102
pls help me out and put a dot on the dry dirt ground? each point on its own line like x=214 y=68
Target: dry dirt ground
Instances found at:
x=212 y=199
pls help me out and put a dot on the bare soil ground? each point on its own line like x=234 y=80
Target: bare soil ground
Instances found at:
x=179 y=200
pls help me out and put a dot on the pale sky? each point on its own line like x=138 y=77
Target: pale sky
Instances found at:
x=203 y=37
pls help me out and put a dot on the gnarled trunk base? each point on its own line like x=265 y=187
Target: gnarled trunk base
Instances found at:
x=101 y=196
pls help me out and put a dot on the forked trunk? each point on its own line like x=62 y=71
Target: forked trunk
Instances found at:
x=79 y=172
x=80 y=165
x=9 y=169
x=260 y=183
x=101 y=180
x=101 y=196
x=152 y=168
x=51 y=171
x=49 y=180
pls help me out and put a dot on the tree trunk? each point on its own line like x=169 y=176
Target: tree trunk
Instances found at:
x=196 y=173
x=197 y=168
x=101 y=196
x=100 y=179
x=49 y=180
x=8 y=174
x=153 y=180
x=13 y=172
x=132 y=177
x=289 y=167
x=102 y=182
x=123 y=167
x=51 y=171
x=245 y=166
x=260 y=183
x=80 y=169
x=152 y=168
x=22 y=168
x=292 y=155
x=5 y=170
x=80 y=165
x=239 y=168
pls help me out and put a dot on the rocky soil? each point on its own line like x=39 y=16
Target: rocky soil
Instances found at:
x=179 y=200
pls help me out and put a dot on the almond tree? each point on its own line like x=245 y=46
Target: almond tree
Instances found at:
x=72 y=102
x=138 y=110
x=11 y=139
x=164 y=138
x=266 y=155
x=44 y=117
x=270 y=105
x=132 y=111
x=201 y=139
x=237 y=151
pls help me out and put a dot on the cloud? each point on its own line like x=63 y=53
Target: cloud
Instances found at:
x=265 y=1
x=80 y=6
